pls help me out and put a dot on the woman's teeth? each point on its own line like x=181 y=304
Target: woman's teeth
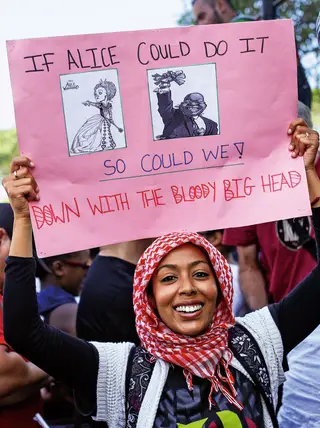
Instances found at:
x=190 y=308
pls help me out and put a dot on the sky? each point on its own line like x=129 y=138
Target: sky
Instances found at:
x=20 y=19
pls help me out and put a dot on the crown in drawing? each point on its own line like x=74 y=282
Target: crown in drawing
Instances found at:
x=110 y=88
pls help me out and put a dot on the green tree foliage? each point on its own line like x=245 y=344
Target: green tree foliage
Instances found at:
x=303 y=13
x=8 y=150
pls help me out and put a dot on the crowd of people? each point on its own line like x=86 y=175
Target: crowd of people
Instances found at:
x=189 y=329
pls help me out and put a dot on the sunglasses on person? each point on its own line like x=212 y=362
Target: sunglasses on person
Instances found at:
x=73 y=263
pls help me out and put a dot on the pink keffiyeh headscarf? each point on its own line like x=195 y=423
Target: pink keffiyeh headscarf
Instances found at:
x=202 y=355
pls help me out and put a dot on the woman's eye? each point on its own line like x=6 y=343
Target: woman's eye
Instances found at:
x=168 y=278
x=201 y=274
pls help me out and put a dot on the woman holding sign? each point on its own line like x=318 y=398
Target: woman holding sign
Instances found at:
x=196 y=366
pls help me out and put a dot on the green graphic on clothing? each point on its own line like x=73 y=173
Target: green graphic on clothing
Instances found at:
x=229 y=420
x=197 y=424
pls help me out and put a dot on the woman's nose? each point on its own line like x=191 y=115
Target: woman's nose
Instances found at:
x=187 y=287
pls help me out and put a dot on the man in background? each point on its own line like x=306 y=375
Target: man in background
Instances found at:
x=217 y=12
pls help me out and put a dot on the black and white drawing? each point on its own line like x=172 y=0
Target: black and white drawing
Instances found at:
x=93 y=114
x=194 y=91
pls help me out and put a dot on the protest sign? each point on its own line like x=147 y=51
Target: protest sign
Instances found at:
x=136 y=134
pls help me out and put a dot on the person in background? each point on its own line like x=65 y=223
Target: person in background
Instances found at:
x=20 y=380
x=217 y=12
x=239 y=306
x=61 y=280
x=222 y=12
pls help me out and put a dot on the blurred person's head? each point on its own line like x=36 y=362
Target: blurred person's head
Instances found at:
x=215 y=238
x=66 y=271
x=6 y=226
x=213 y=11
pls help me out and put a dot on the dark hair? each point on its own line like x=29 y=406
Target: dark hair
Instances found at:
x=44 y=265
x=208 y=233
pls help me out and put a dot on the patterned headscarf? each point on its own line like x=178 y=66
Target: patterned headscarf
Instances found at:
x=202 y=355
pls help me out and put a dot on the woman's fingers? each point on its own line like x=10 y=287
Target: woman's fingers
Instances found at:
x=301 y=140
x=293 y=125
x=24 y=173
x=21 y=161
x=21 y=183
x=23 y=190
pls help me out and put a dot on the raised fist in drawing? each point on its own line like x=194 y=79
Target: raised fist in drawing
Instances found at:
x=163 y=81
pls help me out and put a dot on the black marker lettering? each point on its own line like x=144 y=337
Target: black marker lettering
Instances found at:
x=152 y=49
x=45 y=64
x=171 y=55
x=165 y=54
x=92 y=50
x=181 y=44
x=112 y=55
x=80 y=60
x=71 y=60
x=224 y=48
x=139 y=58
x=34 y=63
x=214 y=48
x=262 y=42
x=247 y=45
x=102 y=58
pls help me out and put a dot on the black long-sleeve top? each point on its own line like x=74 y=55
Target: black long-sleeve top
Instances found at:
x=75 y=361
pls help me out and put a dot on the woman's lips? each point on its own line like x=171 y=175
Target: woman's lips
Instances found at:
x=194 y=308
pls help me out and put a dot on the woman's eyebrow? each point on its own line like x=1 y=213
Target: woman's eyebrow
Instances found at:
x=192 y=264
x=197 y=262
x=167 y=266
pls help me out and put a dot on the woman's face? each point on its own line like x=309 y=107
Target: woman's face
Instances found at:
x=185 y=291
x=100 y=94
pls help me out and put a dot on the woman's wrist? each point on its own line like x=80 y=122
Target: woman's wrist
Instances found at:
x=311 y=170
x=22 y=220
x=21 y=244
x=313 y=187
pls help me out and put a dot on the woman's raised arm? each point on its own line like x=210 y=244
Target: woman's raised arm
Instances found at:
x=71 y=360
x=297 y=315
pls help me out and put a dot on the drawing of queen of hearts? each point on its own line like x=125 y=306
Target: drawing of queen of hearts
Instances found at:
x=95 y=134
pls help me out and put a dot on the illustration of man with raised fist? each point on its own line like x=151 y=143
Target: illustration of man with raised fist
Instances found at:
x=185 y=120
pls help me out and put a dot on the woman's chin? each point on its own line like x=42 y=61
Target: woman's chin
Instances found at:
x=190 y=330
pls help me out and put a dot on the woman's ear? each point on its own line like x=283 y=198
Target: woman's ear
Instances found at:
x=152 y=301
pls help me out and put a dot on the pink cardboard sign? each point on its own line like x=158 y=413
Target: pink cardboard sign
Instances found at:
x=137 y=134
